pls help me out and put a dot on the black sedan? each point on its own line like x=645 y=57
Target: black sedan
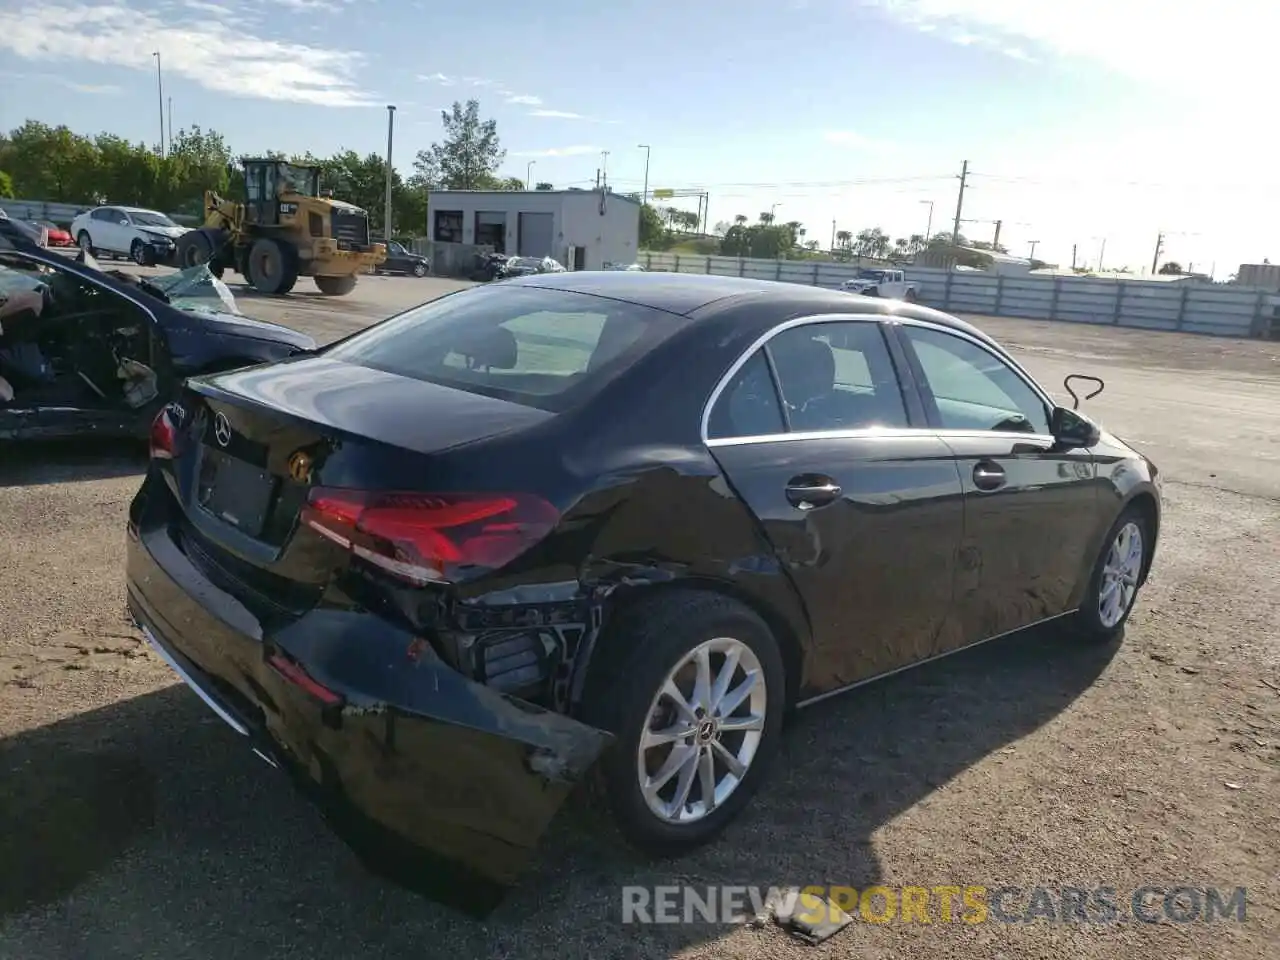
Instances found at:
x=88 y=352
x=402 y=260
x=608 y=521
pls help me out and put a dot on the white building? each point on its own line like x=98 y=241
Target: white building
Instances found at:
x=583 y=229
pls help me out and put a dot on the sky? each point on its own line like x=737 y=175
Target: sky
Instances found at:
x=1095 y=125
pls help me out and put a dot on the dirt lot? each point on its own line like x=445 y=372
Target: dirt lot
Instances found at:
x=142 y=828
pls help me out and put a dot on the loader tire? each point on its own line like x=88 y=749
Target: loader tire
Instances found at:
x=273 y=266
x=194 y=248
x=335 y=286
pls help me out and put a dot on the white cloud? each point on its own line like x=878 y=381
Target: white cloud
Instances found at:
x=105 y=89
x=574 y=151
x=213 y=53
x=557 y=114
x=1206 y=52
x=524 y=99
x=439 y=78
x=318 y=6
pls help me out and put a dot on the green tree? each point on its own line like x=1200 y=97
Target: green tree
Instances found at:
x=1170 y=268
x=654 y=234
x=6 y=185
x=543 y=185
x=50 y=163
x=470 y=154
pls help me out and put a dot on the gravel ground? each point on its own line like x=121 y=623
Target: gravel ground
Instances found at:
x=133 y=824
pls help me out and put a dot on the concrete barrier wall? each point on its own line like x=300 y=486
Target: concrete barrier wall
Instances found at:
x=1216 y=309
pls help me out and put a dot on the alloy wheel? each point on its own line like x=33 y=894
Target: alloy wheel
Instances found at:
x=702 y=731
x=1120 y=573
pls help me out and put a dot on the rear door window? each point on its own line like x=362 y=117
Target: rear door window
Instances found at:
x=542 y=348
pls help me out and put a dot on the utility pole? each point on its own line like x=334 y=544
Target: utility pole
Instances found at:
x=1032 y=254
x=386 y=221
x=928 y=224
x=171 y=124
x=645 y=196
x=832 y=248
x=160 y=90
x=1102 y=252
x=597 y=178
x=773 y=212
x=964 y=179
x=995 y=241
x=1155 y=257
x=1073 y=256
x=528 y=174
x=604 y=167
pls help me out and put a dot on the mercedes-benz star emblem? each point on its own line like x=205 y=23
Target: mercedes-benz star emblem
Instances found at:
x=222 y=429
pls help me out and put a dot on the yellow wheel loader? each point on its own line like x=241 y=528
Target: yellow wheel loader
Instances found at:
x=284 y=229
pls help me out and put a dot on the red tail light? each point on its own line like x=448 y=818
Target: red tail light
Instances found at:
x=421 y=537
x=163 y=435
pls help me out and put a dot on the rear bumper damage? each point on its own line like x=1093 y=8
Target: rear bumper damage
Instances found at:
x=439 y=783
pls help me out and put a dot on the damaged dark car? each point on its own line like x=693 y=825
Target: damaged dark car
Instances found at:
x=606 y=525
x=85 y=351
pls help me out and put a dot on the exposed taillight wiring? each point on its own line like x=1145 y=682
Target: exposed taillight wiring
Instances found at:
x=423 y=538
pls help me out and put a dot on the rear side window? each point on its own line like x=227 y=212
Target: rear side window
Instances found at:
x=542 y=348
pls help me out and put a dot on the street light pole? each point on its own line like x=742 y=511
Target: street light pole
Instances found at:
x=386 y=216
x=528 y=174
x=773 y=212
x=160 y=90
x=171 y=124
x=928 y=225
x=1032 y=254
x=645 y=195
x=604 y=168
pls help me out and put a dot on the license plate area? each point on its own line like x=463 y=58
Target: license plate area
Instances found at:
x=235 y=492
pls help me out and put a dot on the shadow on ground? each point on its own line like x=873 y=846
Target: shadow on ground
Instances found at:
x=178 y=843
x=36 y=462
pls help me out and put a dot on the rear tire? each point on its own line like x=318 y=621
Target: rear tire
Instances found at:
x=335 y=286
x=1115 y=582
x=273 y=266
x=910 y=296
x=84 y=242
x=625 y=694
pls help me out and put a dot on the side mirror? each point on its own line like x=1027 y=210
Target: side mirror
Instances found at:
x=124 y=221
x=1073 y=429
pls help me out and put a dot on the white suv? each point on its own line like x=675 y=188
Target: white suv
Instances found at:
x=144 y=236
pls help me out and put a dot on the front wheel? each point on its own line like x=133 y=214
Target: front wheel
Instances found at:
x=419 y=269
x=85 y=243
x=910 y=296
x=693 y=686
x=1117 y=577
x=335 y=286
x=140 y=254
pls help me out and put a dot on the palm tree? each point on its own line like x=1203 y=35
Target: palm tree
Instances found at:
x=740 y=219
x=916 y=243
x=844 y=238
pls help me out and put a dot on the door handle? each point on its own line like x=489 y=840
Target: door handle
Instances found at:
x=805 y=494
x=988 y=475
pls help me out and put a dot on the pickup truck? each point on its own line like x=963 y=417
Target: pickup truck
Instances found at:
x=891 y=284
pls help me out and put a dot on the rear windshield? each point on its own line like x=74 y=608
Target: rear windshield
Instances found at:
x=542 y=348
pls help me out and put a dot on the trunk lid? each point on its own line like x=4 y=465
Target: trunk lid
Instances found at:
x=252 y=444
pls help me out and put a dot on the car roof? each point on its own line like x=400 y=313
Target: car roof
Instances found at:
x=687 y=294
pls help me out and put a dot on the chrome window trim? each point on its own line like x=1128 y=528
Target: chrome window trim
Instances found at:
x=868 y=432
x=760 y=342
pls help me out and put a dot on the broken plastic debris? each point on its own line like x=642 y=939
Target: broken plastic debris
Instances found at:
x=140 y=382
x=812 y=918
